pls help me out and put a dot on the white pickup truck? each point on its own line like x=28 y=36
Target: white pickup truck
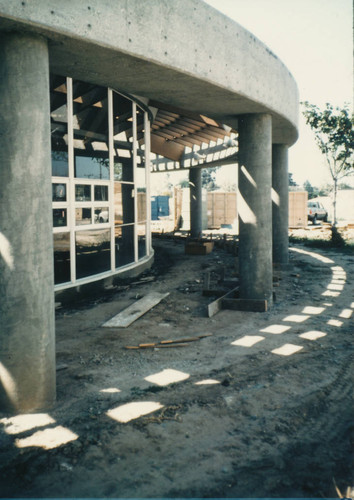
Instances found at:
x=316 y=211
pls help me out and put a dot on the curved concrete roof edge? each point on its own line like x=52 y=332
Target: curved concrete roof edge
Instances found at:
x=183 y=53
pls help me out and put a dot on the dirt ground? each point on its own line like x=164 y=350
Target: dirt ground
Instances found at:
x=264 y=422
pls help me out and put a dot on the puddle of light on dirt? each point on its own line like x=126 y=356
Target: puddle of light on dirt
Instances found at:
x=312 y=310
x=48 y=439
x=167 y=377
x=352 y=305
x=335 y=287
x=275 y=329
x=329 y=293
x=132 y=411
x=312 y=335
x=110 y=390
x=315 y=255
x=287 y=349
x=248 y=340
x=346 y=313
x=26 y=422
x=327 y=304
x=335 y=322
x=296 y=318
x=208 y=381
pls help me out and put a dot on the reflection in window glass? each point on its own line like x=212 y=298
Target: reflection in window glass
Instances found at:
x=91 y=167
x=123 y=203
x=83 y=216
x=101 y=193
x=82 y=192
x=90 y=128
x=61 y=243
x=59 y=126
x=60 y=164
x=141 y=240
x=59 y=217
x=58 y=192
x=93 y=254
x=141 y=204
x=124 y=245
x=101 y=215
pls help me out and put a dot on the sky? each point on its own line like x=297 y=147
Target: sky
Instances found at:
x=314 y=39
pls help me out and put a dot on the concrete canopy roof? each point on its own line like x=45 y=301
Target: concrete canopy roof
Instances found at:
x=184 y=54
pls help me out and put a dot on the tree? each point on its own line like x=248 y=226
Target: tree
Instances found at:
x=312 y=191
x=291 y=180
x=208 y=178
x=334 y=135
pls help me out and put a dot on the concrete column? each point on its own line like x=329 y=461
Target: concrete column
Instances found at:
x=280 y=198
x=195 y=179
x=255 y=208
x=27 y=337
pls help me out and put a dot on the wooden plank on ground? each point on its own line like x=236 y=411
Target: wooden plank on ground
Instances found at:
x=216 y=306
x=134 y=311
x=254 y=305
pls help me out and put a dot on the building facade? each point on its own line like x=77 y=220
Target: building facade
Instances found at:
x=95 y=96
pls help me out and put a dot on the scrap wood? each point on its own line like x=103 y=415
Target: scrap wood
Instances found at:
x=170 y=343
x=216 y=306
x=134 y=311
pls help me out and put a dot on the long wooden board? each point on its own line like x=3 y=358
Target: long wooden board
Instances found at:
x=216 y=306
x=134 y=311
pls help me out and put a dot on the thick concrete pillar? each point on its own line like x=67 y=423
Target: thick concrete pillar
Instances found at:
x=280 y=198
x=27 y=349
x=195 y=184
x=255 y=208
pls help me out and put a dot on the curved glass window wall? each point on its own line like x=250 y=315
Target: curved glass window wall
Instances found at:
x=100 y=181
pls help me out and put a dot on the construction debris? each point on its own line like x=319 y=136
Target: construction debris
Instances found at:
x=133 y=312
x=169 y=343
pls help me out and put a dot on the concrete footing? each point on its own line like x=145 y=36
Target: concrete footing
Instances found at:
x=27 y=347
x=255 y=209
x=195 y=179
x=280 y=199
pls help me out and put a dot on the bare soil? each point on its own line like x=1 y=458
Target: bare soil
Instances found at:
x=272 y=426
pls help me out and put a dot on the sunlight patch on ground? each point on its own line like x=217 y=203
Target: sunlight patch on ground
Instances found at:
x=352 y=305
x=275 y=329
x=329 y=293
x=248 y=340
x=312 y=310
x=335 y=287
x=132 y=411
x=48 y=439
x=327 y=304
x=335 y=322
x=167 y=377
x=110 y=390
x=296 y=318
x=287 y=349
x=313 y=335
x=346 y=313
x=22 y=423
x=338 y=282
x=315 y=255
x=208 y=381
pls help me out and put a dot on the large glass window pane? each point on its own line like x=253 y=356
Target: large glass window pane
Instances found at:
x=124 y=245
x=59 y=125
x=90 y=127
x=59 y=217
x=61 y=243
x=123 y=138
x=93 y=253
